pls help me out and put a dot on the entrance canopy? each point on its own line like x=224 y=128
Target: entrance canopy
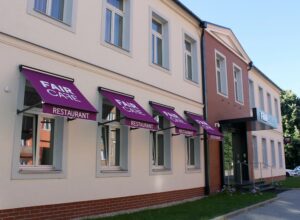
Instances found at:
x=211 y=131
x=260 y=120
x=168 y=112
x=135 y=115
x=59 y=95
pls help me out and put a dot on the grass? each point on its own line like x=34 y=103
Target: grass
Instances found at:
x=291 y=182
x=205 y=208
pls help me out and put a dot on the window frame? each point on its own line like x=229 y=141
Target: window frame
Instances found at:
x=126 y=48
x=277 y=107
x=235 y=80
x=273 y=153
x=197 y=155
x=194 y=58
x=167 y=167
x=124 y=170
x=280 y=154
x=251 y=93
x=166 y=64
x=264 y=152
x=70 y=12
x=58 y=169
x=269 y=102
x=261 y=98
x=219 y=54
x=255 y=152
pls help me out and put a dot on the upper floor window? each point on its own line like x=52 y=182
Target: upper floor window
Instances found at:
x=238 y=84
x=276 y=109
x=190 y=59
x=261 y=99
x=221 y=74
x=269 y=103
x=60 y=10
x=159 y=41
x=251 y=94
x=117 y=26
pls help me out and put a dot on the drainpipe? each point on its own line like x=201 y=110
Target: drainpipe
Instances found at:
x=203 y=26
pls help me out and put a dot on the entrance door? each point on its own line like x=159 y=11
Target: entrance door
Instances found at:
x=235 y=158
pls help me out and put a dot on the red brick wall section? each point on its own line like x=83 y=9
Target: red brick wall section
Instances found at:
x=97 y=207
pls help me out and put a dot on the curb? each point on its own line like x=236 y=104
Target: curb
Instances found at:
x=242 y=210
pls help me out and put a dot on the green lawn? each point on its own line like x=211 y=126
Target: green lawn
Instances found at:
x=291 y=182
x=205 y=208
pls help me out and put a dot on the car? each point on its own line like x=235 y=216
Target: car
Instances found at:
x=289 y=172
x=297 y=171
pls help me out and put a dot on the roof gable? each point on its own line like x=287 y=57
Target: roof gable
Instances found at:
x=226 y=37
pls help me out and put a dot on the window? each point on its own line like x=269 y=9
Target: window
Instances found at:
x=251 y=94
x=221 y=74
x=117 y=26
x=113 y=146
x=238 y=84
x=276 y=109
x=193 y=153
x=159 y=41
x=41 y=138
x=280 y=156
x=161 y=151
x=261 y=99
x=273 y=153
x=255 y=152
x=190 y=59
x=269 y=103
x=265 y=153
x=60 y=10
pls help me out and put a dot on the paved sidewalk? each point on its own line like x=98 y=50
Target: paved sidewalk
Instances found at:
x=287 y=206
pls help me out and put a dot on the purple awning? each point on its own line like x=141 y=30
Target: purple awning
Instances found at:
x=59 y=95
x=211 y=131
x=135 y=115
x=181 y=126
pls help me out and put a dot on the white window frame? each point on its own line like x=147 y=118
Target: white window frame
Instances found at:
x=167 y=167
x=269 y=101
x=127 y=23
x=70 y=10
x=154 y=15
x=194 y=58
x=124 y=170
x=222 y=73
x=280 y=154
x=197 y=155
x=251 y=94
x=236 y=86
x=57 y=170
x=255 y=152
x=276 y=105
x=264 y=153
x=261 y=98
x=273 y=153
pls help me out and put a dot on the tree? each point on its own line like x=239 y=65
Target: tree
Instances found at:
x=290 y=110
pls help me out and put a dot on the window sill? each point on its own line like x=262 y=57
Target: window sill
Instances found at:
x=113 y=173
x=116 y=48
x=194 y=83
x=161 y=68
x=38 y=174
x=38 y=171
x=193 y=170
x=163 y=171
x=223 y=95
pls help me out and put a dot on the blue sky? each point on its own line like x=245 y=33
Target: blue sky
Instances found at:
x=268 y=30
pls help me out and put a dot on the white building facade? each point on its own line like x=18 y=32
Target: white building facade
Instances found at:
x=267 y=145
x=141 y=50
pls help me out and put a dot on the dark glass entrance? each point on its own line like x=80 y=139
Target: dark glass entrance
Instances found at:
x=235 y=156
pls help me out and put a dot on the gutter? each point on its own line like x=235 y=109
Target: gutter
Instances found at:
x=203 y=26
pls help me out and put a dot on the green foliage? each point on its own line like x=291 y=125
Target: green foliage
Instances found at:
x=290 y=110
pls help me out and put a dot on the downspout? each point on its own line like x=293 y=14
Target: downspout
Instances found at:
x=203 y=26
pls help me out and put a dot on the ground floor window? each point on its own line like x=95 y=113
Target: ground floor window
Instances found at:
x=193 y=153
x=161 y=150
x=114 y=141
